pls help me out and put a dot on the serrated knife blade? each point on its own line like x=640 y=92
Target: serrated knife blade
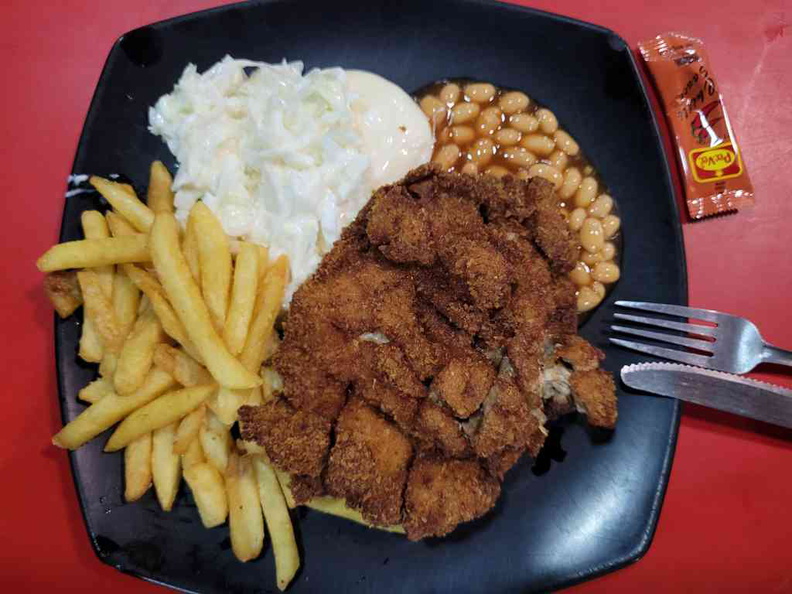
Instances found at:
x=715 y=389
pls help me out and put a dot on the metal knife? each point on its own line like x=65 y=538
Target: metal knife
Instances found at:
x=715 y=389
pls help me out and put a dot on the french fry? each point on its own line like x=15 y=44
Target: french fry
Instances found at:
x=215 y=441
x=190 y=372
x=165 y=357
x=160 y=195
x=126 y=299
x=267 y=307
x=236 y=246
x=209 y=492
x=188 y=430
x=91 y=348
x=63 y=291
x=263 y=252
x=338 y=507
x=95 y=227
x=123 y=199
x=243 y=298
x=165 y=466
x=152 y=289
x=137 y=468
x=190 y=249
x=279 y=525
x=194 y=455
x=145 y=303
x=226 y=404
x=245 y=519
x=119 y=226
x=214 y=256
x=186 y=370
x=185 y=296
x=284 y=480
x=137 y=354
x=90 y=253
x=94 y=391
x=108 y=366
x=99 y=310
x=165 y=410
x=273 y=383
x=255 y=397
x=251 y=447
x=110 y=409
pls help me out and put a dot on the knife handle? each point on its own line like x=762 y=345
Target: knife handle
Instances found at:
x=771 y=354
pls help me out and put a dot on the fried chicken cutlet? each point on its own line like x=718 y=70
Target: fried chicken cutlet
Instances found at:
x=427 y=352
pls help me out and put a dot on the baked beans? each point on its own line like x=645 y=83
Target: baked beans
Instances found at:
x=513 y=102
x=484 y=130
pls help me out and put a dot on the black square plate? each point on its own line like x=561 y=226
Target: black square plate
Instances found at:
x=591 y=513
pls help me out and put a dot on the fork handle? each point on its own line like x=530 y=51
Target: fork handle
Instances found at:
x=771 y=354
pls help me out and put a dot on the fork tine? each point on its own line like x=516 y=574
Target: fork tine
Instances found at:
x=708 y=315
x=681 y=356
x=692 y=328
x=702 y=345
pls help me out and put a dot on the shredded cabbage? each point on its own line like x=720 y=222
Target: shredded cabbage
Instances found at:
x=275 y=154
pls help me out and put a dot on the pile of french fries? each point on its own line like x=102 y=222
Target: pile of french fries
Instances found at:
x=180 y=323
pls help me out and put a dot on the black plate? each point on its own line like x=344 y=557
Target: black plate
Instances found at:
x=591 y=513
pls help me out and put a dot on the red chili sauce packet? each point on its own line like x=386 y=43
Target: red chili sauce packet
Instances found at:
x=715 y=177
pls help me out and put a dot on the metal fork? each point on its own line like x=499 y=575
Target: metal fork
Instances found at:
x=733 y=345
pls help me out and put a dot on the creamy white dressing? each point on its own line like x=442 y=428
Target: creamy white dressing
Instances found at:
x=396 y=134
x=285 y=159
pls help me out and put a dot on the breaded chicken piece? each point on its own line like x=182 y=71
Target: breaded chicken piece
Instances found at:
x=436 y=429
x=452 y=218
x=441 y=333
x=507 y=198
x=508 y=422
x=296 y=440
x=407 y=229
x=482 y=268
x=464 y=383
x=451 y=299
x=499 y=464
x=552 y=232
x=443 y=493
x=527 y=263
x=526 y=355
x=331 y=311
x=340 y=300
x=394 y=368
x=304 y=488
x=306 y=386
x=533 y=298
x=63 y=291
x=399 y=226
x=527 y=313
x=595 y=393
x=395 y=317
x=333 y=350
x=368 y=464
x=579 y=353
x=563 y=319
x=394 y=404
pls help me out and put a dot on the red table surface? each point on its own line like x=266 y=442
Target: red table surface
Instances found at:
x=727 y=518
